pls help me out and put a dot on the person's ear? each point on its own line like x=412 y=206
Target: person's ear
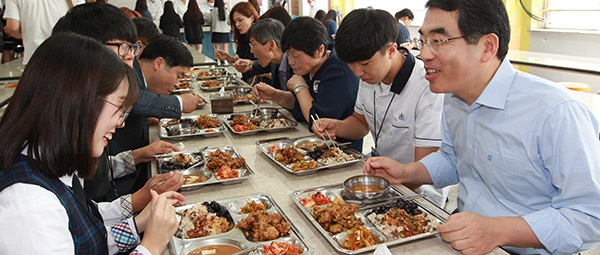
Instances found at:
x=489 y=44
x=158 y=63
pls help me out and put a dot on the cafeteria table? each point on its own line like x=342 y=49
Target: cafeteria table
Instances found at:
x=273 y=180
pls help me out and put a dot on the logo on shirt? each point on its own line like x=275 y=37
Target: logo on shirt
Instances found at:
x=401 y=116
x=316 y=86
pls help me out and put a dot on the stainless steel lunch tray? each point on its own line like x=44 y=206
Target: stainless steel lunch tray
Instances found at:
x=337 y=191
x=282 y=142
x=206 y=132
x=265 y=114
x=182 y=91
x=179 y=246
x=238 y=94
x=213 y=72
x=244 y=172
x=224 y=82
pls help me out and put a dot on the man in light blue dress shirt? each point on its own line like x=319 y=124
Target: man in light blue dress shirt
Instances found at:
x=525 y=152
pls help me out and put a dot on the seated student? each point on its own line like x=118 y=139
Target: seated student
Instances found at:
x=110 y=26
x=322 y=85
x=394 y=102
x=88 y=88
x=404 y=18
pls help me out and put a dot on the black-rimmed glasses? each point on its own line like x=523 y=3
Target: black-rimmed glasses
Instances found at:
x=123 y=48
x=124 y=111
x=436 y=44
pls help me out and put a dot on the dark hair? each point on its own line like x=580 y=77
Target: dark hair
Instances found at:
x=169 y=15
x=103 y=22
x=265 y=30
x=279 y=13
x=243 y=8
x=305 y=34
x=404 y=13
x=255 y=4
x=477 y=18
x=146 y=29
x=364 y=32
x=331 y=15
x=220 y=5
x=169 y=48
x=193 y=15
x=320 y=15
x=56 y=106
x=141 y=6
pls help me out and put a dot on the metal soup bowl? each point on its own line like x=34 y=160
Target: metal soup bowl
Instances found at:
x=366 y=186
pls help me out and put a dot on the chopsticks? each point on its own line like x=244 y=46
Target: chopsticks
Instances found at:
x=328 y=136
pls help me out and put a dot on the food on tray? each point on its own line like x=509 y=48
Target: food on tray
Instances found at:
x=333 y=155
x=400 y=219
x=219 y=158
x=253 y=206
x=183 y=85
x=225 y=172
x=179 y=161
x=273 y=148
x=274 y=123
x=175 y=121
x=359 y=237
x=206 y=121
x=221 y=249
x=205 y=219
x=194 y=178
x=238 y=97
x=283 y=248
x=337 y=216
x=309 y=146
x=263 y=226
x=242 y=123
x=210 y=84
x=288 y=155
x=302 y=165
x=315 y=199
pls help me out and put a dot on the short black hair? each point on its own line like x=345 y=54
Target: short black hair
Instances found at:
x=146 y=29
x=169 y=48
x=305 y=34
x=405 y=13
x=477 y=18
x=100 y=21
x=265 y=30
x=364 y=32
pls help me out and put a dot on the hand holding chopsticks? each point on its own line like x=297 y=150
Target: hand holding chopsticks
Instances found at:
x=328 y=139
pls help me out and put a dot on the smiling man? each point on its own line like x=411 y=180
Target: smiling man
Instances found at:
x=524 y=150
x=394 y=102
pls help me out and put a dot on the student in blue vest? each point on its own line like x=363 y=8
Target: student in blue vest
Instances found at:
x=72 y=96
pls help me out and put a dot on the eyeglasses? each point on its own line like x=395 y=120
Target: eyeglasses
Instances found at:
x=123 y=48
x=436 y=44
x=124 y=111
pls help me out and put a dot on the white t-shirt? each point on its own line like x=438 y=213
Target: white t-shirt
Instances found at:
x=37 y=18
x=155 y=7
x=413 y=120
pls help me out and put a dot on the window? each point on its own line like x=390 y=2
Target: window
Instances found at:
x=572 y=15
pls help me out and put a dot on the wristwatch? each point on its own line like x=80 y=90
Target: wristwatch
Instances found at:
x=299 y=87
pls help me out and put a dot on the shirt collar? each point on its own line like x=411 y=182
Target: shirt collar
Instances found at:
x=495 y=93
x=66 y=179
x=404 y=74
